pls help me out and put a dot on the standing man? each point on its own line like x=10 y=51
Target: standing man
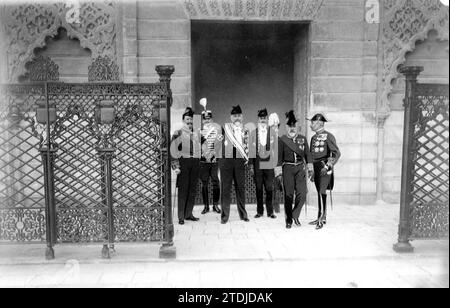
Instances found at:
x=274 y=123
x=186 y=166
x=263 y=143
x=293 y=160
x=209 y=167
x=325 y=154
x=233 y=162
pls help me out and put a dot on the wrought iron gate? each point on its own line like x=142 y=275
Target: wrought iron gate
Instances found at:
x=103 y=174
x=425 y=170
x=22 y=197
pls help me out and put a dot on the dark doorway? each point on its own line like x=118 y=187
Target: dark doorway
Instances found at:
x=255 y=65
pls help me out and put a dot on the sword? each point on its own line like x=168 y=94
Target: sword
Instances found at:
x=174 y=198
x=331 y=199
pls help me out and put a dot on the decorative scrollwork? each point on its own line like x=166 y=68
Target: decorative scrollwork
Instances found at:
x=253 y=9
x=103 y=69
x=27 y=25
x=405 y=23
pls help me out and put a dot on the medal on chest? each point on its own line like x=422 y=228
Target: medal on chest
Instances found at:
x=319 y=143
x=300 y=143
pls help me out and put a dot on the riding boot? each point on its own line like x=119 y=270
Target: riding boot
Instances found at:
x=216 y=209
x=216 y=199
x=319 y=214
x=205 y=195
x=324 y=203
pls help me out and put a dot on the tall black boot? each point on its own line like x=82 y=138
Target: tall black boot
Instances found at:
x=323 y=218
x=205 y=195
x=324 y=215
x=216 y=198
x=319 y=213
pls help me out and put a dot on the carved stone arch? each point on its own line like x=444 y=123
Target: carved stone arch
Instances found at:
x=27 y=25
x=407 y=22
x=276 y=10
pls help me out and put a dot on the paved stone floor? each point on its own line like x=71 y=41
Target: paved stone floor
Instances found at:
x=353 y=250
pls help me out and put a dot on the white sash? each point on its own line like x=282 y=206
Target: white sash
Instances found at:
x=229 y=133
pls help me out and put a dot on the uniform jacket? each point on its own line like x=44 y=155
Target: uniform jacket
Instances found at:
x=184 y=137
x=210 y=144
x=324 y=148
x=293 y=150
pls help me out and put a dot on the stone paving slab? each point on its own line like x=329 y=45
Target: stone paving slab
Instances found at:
x=361 y=273
x=353 y=250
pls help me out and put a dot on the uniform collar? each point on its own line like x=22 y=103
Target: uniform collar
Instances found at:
x=292 y=138
x=321 y=131
x=237 y=126
x=186 y=129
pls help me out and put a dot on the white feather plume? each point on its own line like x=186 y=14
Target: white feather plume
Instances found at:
x=274 y=120
x=203 y=102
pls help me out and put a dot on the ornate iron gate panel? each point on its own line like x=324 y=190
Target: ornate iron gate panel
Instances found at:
x=139 y=171
x=77 y=167
x=86 y=163
x=22 y=196
x=118 y=158
x=425 y=169
x=430 y=162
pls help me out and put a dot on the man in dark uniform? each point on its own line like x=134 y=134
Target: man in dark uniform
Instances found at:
x=209 y=167
x=263 y=143
x=233 y=162
x=325 y=154
x=294 y=161
x=185 y=162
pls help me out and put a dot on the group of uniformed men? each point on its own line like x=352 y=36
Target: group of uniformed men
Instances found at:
x=233 y=146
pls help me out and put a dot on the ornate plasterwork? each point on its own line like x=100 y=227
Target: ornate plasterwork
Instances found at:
x=405 y=23
x=299 y=10
x=103 y=69
x=26 y=26
x=42 y=68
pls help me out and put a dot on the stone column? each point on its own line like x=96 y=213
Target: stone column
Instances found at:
x=381 y=119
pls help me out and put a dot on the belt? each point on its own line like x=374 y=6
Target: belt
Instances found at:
x=324 y=160
x=293 y=164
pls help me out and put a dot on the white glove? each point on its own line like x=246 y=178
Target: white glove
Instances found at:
x=177 y=171
x=278 y=171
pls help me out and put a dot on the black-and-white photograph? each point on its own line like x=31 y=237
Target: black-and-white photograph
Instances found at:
x=217 y=145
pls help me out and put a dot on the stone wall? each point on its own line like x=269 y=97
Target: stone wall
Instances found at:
x=163 y=37
x=343 y=85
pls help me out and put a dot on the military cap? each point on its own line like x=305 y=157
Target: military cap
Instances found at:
x=290 y=118
x=188 y=112
x=236 y=110
x=262 y=113
x=318 y=117
x=207 y=114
